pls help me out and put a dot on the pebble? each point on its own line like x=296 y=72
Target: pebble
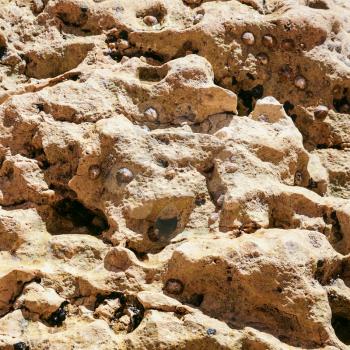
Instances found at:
x=321 y=112
x=269 y=41
x=213 y=218
x=248 y=38
x=220 y=200
x=197 y=18
x=122 y=44
x=287 y=44
x=262 y=58
x=174 y=286
x=124 y=176
x=150 y=20
x=151 y=114
x=300 y=82
x=211 y=331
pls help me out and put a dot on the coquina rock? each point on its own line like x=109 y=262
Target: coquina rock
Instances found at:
x=174 y=174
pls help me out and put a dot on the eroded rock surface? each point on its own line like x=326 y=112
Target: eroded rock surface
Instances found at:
x=174 y=174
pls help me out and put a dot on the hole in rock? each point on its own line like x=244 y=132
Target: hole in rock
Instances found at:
x=341 y=326
x=114 y=295
x=20 y=346
x=200 y=200
x=336 y=234
x=155 y=56
x=3 y=50
x=248 y=97
x=124 y=35
x=288 y=107
x=342 y=105
x=71 y=216
x=318 y=4
x=40 y=107
x=186 y=48
x=58 y=317
x=127 y=305
x=163 y=163
x=166 y=227
x=196 y=299
x=250 y=76
x=151 y=74
x=163 y=229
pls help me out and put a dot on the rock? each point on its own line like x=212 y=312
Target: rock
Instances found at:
x=158 y=301
x=270 y=108
x=39 y=300
x=321 y=112
x=300 y=82
x=248 y=38
x=150 y=20
x=174 y=174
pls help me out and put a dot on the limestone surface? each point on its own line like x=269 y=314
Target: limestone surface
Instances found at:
x=174 y=174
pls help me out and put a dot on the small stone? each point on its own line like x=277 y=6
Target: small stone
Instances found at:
x=269 y=41
x=94 y=172
x=174 y=286
x=213 y=218
x=151 y=114
x=153 y=234
x=124 y=176
x=321 y=112
x=300 y=82
x=248 y=38
x=112 y=46
x=122 y=44
x=136 y=314
x=150 y=20
x=211 y=331
x=197 y=18
x=262 y=58
x=220 y=201
x=125 y=319
x=287 y=44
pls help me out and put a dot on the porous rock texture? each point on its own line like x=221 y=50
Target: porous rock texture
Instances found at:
x=174 y=174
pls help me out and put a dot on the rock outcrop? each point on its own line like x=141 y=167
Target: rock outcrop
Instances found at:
x=174 y=174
